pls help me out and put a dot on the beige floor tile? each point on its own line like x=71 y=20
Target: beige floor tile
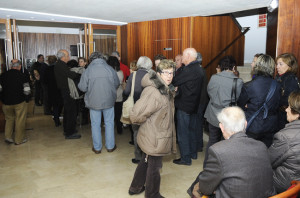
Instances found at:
x=48 y=166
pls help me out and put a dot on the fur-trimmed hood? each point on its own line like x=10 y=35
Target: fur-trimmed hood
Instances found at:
x=152 y=79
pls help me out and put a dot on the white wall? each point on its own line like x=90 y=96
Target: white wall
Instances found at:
x=255 y=38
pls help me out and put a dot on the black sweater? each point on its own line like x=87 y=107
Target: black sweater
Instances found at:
x=12 y=83
x=189 y=83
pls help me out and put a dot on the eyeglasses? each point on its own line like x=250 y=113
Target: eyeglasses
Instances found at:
x=166 y=73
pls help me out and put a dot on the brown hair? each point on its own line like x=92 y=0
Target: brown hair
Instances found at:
x=133 y=65
x=294 y=102
x=290 y=60
x=51 y=59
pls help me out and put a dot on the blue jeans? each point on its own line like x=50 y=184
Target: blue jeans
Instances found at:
x=109 y=128
x=186 y=132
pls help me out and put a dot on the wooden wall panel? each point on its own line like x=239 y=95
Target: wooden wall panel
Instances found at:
x=208 y=35
x=288 y=34
x=46 y=44
x=211 y=35
x=105 y=43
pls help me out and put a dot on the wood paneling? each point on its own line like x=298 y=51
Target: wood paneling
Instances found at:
x=105 y=44
x=212 y=34
x=46 y=44
x=208 y=35
x=288 y=37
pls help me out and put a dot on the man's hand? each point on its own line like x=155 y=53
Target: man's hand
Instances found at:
x=195 y=191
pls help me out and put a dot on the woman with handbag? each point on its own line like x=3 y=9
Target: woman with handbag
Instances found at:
x=287 y=68
x=261 y=126
x=223 y=90
x=144 y=64
x=154 y=111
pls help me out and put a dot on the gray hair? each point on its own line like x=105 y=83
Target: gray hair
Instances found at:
x=61 y=53
x=96 y=55
x=199 y=57
x=16 y=64
x=116 y=54
x=233 y=119
x=144 y=62
x=264 y=65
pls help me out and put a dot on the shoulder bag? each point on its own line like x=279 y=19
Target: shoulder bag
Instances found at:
x=128 y=104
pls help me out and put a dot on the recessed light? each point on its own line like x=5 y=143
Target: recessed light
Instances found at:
x=8 y=16
x=32 y=17
x=52 y=19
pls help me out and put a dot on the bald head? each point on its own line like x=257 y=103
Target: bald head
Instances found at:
x=189 y=55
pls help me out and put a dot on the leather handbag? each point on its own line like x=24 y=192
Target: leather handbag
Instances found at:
x=128 y=104
x=233 y=102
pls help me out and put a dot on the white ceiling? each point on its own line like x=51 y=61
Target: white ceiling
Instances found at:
x=118 y=12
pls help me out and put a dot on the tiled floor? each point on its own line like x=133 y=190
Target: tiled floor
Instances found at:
x=48 y=166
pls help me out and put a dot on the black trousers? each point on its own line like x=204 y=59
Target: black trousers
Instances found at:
x=147 y=174
x=118 y=113
x=70 y=113
x=215 y=135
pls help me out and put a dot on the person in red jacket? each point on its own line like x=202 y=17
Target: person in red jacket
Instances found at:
x=124 y=68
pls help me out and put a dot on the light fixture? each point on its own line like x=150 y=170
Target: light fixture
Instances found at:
x=273 y=5
x=67 y=17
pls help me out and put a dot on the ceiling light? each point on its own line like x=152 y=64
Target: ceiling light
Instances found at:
x=273 y=5
x=65 y=16
x=8 y=16
x=32 y=17
x=52 y=19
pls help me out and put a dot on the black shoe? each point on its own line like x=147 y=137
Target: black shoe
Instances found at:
x=133 y=193
x=135 y=161
x=194 y=158
x=73 y=136
x=181 y=162
x=111 y=150
x=8 y=141
x=131 y=142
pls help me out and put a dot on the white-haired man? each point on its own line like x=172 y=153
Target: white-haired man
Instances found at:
x=237 y=166
x=62 y=73
x=15 y=90
x=189 y=84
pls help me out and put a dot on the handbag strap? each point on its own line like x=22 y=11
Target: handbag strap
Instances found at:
x=264 y=106
x=233 y=91
x=132 y=84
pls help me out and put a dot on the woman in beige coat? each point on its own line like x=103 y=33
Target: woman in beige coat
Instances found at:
x=154 y=111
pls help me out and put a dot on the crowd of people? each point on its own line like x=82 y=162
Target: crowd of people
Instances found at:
x=254 y=140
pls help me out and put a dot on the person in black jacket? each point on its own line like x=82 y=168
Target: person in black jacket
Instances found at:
x=62 y=73
x=253 y=96
x=15 y=90
x=287 y=68
x=188 y=83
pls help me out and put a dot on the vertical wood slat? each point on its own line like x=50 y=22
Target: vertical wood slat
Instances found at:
x=119 y=37
x=288 y=33
x=91 y=39
x=9 y=40
x=86 y=41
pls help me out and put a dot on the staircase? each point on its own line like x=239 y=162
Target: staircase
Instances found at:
x=245 y=72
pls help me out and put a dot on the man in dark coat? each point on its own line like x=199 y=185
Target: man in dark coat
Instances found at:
x=15 y=90
x=62 y=73
x=237 y=166
x=189 y=83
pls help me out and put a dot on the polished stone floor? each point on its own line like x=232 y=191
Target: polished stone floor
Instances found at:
x=48 y=166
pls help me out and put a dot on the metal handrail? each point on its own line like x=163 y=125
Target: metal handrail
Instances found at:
x=246 y=29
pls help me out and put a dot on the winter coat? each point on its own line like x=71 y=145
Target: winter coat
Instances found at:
x=100 y=82
x=288 y=83
x=219 y=90
x=254 y=94
x=285 y=156
x=154 y=112
x=189 y=83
